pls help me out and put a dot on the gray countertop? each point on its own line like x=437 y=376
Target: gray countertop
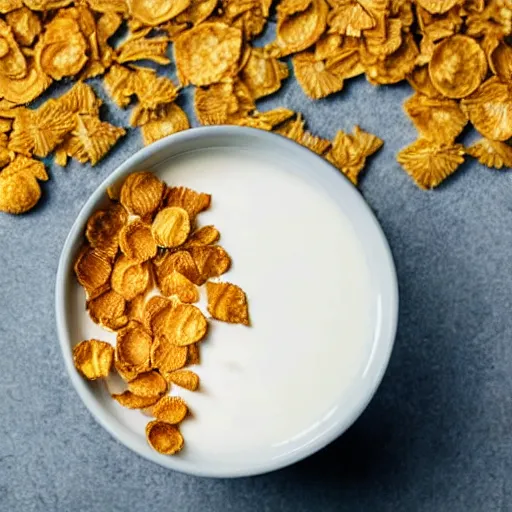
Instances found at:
x=436 y=437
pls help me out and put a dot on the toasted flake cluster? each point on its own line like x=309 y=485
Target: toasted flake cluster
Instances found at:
x=141 y=266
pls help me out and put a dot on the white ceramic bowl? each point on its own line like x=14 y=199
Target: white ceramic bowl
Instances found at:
x=306 y=165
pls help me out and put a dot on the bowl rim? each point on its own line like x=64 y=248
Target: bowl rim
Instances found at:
x=384 y=341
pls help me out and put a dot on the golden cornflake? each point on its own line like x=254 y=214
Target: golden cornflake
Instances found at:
x=141 y=48
x=103 y=228
x=142 y=193
x=171 y=226
x=61 y=50
x=171 y=119
x=93 y=269
x=108 y=310
x=24 y=90
x=190 y=200
x=438 y=6
x=152 y=307
x=206 y=235
x=492 y=153
x=430 y=163
x=120 y=84
x=40 y=131
x=262 y=73
x=489 y=108
x=93 y=359
x=152 y=13
x=349 y=152
x=350 y=18
x=501 y=61
x=458 y=66
x=436 y=119
x=208 y=53
x=135 y=308
x=227 y=302
x=134 y=346
x=148 y=384
x=178 y=285
x=131 y=401
x=171 y=409
x=314 y=76
x=180 y=261
x=12 y=61
x=80 y=99
x=136 y=241
x=211 y=261
x=91 y=139
x=167 y=357
x=164 y=438
x=316 y=144
x=130 y=278
x=19 y=189
x=10 y=5
x=419 y=80
x=182 y=325
x=185 y=379
x=25 y=24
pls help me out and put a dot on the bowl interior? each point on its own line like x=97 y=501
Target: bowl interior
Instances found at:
x=128 y=426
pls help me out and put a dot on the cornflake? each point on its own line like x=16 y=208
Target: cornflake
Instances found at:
x=210 y=261
x=130 y=278
x=491 y=153
x=171 y=119
x=136 y=241
x=164 y=438
x=149 y=384
x=171 y=226
x=178 y=285
x=185 y=379
x=131 y=401
x=93 y=359
x=171 y=409
x=227 y=302
x=141 y=193
x=108 y=310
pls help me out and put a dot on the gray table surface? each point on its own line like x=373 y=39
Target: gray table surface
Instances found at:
x=437 y=435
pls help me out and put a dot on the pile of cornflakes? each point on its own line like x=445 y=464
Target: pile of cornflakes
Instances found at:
x=142 y=267
x=456 y=54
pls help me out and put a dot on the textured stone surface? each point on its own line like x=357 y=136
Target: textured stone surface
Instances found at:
x=436 y=436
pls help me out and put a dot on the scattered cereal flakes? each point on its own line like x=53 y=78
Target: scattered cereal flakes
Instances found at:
x=7 y=6
x=171 y=120
x=81 y=99
x=108 y=310
x=316 y=144
x=133 y=347
x=171 y=226
x=91 y=139
x=25 y=25
x=227 y=302
x=207 y=53
x=164 y=438
x=206 y=235
x=41 y=130
x=93 y=269
x=458 y=66
x=193 y=356
x=178 y=285
x=152 y=307
x=180 y=261
x=132 y=401
x=148 y=384
x=315 y=78
x=492 y=153
x=61 y=50
x=141 y=193
x=350 y=18
x=263 y=73
x=501 y=61
x=136 y=241
x=130 y=278
x=12 y=61
x=19 y=189
x=184 y=324
x=185 y=379
x=397 y=66
x=120 y=84
x=190 y=200
x=152 y=13
x=429 y=163
x=167 y=357
x=299 y=31
x=24 y=90
x=93 y=359
x=171 y=409
x=211 y=261
x=141 y=48
x=489 y=108
x=436 y=119
x=103 y=228
x=349 y=152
